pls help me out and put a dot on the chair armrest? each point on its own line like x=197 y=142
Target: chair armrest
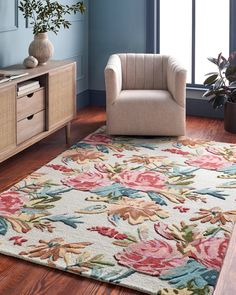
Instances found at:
x=113 y=78
x=176 y=81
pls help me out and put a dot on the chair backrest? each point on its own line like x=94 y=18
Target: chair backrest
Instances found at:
x=144 y=71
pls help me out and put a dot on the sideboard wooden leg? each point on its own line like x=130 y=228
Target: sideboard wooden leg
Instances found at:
x=67 y=129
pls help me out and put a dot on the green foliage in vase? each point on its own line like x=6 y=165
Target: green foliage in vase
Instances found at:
x=47 y=15
x=221 y=84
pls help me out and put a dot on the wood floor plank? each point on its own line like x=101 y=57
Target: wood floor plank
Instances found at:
x=18 y=277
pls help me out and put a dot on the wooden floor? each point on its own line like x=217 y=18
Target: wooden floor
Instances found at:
x=18 y=277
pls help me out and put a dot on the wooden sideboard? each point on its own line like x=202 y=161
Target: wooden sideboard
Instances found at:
x=28 y=118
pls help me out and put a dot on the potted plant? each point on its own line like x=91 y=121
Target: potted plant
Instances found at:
x=46 y=16
x=222 y=88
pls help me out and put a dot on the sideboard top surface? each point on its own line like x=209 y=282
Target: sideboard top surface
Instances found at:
x=32 y=73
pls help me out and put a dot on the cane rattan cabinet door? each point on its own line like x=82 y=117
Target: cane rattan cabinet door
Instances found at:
x=61 y=96
x=26 y=118
x=7 y=118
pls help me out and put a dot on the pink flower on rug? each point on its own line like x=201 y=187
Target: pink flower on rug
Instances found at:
x=152 y=257
x=176 y=151
x=142 y=180
x=109 y=232
x=60 y=168
x=228 y=153
x=181 y=209
x=209 y=252
x=102 y=167
x=18 y=240
x=214 y=150
x=87 y=181
x=98 y=138
x=210 y=162
x=119 y=156
x=11 y=202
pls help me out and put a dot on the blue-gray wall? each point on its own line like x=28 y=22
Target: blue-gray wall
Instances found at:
x=114 y=26
x=109 y=26
x=72 y=44
x=126 y=26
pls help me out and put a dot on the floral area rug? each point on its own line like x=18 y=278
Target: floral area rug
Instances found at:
x=152 y=214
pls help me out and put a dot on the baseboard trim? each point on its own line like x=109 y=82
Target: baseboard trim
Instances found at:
x=83 y=99
x=202 y=108
x=194 y=106
x=97 y=98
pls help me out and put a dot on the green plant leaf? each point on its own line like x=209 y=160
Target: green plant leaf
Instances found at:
x=213 y=60
x=230 y=73
x=210 y=80
x=219 y=58
x=224 y=64
x=232 y=85
x=218 y=101
x=208 y=93
x=218 y=84
x=211 y=73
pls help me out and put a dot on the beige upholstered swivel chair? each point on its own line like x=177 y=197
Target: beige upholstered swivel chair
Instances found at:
x=145 y=95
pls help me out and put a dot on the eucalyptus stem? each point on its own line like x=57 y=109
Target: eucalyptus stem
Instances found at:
x=34 y=17
x=46 y=16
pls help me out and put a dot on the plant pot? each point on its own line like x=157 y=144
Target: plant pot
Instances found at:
x=230 y=117
x=41 y=48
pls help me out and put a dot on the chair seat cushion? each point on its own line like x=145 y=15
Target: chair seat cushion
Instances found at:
x=146 y=112
x=145 y=96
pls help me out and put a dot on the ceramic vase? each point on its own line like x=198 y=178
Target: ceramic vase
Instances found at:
x=41 y=48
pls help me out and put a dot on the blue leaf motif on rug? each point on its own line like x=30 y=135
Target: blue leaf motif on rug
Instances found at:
x=71 y=221
x=102 y=148
x=157 y=198
x=3 y=227
x=193 y=272
x=147 y=146
x=48 y=191
x=116 y=190
x=82 y=145
x=229 y=170
x=131 y=211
